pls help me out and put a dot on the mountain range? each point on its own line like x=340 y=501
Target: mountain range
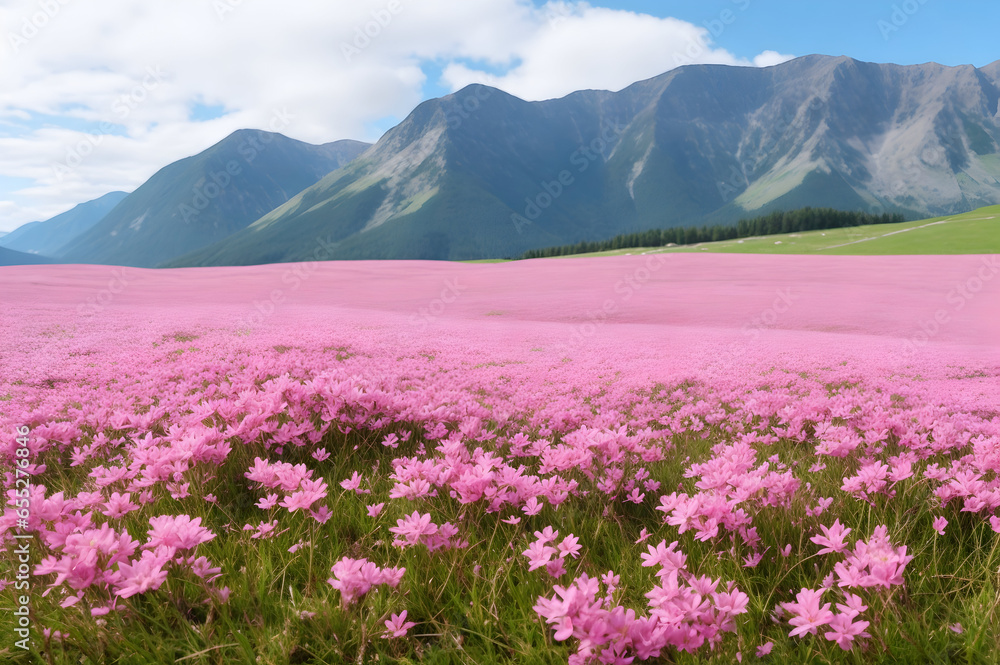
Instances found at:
x=48 y=238
x=10 y=257
x=206 y=198
x=482 y=174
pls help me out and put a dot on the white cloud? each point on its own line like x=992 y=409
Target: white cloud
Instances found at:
x=585 y=47
x=771 y=58
x=69 y=68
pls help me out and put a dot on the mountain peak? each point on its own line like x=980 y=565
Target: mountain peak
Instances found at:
x=204 y=198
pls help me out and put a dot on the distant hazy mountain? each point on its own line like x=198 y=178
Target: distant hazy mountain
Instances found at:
x=203 y=199
x=483 y=174
x=49 y=237
x=9 y=257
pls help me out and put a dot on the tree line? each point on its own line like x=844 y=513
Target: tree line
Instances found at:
x=793 y=221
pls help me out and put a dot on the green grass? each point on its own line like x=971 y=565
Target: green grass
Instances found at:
x=976 y=232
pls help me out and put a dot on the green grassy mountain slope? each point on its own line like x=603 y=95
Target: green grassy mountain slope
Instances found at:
x=975 y=232
x=202 y=199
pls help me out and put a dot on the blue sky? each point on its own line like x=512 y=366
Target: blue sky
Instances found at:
x=104 y=94
x=949 y=32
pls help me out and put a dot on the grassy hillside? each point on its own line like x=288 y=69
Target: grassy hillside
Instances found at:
x=976 y=232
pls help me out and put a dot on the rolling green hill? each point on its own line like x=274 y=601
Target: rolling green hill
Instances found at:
x=976 y=232
x=205 y=198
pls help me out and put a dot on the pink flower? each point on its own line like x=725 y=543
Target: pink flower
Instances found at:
x=264 y=531
x=939 y=524
x=669 y=558
x=611 y=581
x=844 y=631
x=546 y=535
x=809 y=614
x=373 y=511
x=355 y=577
x=570 y=546
x=397 y=626
x=179 y=490
x=270 y=501
x=764 y=649
x=643 y=535
x=119 y=505
x=532 y=506
x=352 y=484
x=178 y=531
x=144 y=574
x=556 y=568
x=297 y=546
x=853 y=605
x=635 y=496
x=413 y=528
x=322 y=514
x=302 y=500
x=832 y=538
x=538 y=554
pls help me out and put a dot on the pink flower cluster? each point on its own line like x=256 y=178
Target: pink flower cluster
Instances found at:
x=875 y=562
x=872 y=563
x=809 y=616
x=685 y=613
x=301 y=490
x=101 y=562
x=419 y=529
x=149 y=426
x=354 y=578
x=540 y=553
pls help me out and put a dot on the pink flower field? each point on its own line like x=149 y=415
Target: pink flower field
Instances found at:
x=662 y=458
